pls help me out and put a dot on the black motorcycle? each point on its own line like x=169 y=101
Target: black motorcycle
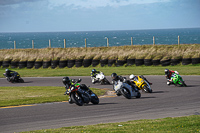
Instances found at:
x=81 y=94
x=15 y=78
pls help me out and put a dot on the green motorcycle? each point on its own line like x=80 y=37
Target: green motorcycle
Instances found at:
x=177 y=80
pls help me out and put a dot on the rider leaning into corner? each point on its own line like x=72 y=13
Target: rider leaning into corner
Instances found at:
x=168 y=75
x=133 y=78
x=8 y=74
x=93 y=75
x=116 y=78
x=68 y=82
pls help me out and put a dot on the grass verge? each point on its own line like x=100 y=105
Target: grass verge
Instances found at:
x=187 y=124
x=82 y=71
x=13 y=96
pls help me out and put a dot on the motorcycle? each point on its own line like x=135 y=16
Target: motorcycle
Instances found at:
x=177 y=80
x=100 y=78
x=15 y=78
x=81 y=94
x=142 y=84
x=122 y=88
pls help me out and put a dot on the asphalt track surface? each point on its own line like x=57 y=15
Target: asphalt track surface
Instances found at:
x=165 y=101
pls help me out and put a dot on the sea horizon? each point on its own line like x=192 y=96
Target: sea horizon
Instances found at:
x=99 y=38
x=95 y=30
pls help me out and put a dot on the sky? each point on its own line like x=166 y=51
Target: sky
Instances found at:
x=97 y=15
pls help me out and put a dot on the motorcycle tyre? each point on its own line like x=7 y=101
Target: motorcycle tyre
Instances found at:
x=94 y=99
x=21 y=80
x=102 y=82
x=147 y=89
x=139 y=95
x=128 y=96
x=107 y=82
x=78 y=102
x=183 y=84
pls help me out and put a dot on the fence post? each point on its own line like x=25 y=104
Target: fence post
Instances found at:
x=178 y=41
x=131 y=40
x=153 y=40
x=32 y=44
x=64 y=43
x=85 y=43
x=14 y=45
x=49 y=43
x=107 y=42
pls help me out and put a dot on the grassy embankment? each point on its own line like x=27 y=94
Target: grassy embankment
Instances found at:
x=188 y=124
x=161 y=52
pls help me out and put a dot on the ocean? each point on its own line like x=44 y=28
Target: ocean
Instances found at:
x=99 y=38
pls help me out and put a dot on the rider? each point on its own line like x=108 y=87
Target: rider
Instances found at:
x=133 y=77
x=9 y=74
x=115 y=78
x=93 y=75
x=68 y=82
x=168 y=75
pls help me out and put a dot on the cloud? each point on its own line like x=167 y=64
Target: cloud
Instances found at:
x=99 y=3
x=12 y=2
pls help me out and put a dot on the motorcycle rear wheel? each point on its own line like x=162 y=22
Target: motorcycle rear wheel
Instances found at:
x=183 y=83
x=94 y=99
x=107 y=82
x=126 y=93
x=77 y=99
x=21 y=80
x=139 y=95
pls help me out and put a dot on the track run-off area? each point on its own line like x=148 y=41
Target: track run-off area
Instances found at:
x=165 y=101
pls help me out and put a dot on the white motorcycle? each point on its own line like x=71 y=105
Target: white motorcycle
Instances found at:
x=100 y=78
x=122 y=88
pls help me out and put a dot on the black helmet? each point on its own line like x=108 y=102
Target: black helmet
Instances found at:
x=7 y=70
x=93 y=70
x=113 y=75
x=166 y=71
x=66 y=80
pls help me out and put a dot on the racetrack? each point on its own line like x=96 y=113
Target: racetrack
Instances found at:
x=165 y=101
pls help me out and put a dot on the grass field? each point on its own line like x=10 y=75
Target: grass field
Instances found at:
x=13 y=96
x=81 y=71
x=188 y=124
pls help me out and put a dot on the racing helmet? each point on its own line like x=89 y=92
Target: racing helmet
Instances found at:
x=94 y=70
x=166 y=71
x=176 y=72
x=66 y=80
x=113 y=75
x=7 y=70
x=131 y=76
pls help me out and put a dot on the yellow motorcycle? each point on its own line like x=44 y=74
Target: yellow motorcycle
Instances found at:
x=142 y=84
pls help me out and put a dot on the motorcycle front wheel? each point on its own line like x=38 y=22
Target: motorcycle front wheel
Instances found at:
x=147 y=89
x=77 y=99
x=126 y=93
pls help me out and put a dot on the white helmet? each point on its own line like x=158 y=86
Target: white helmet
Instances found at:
x=176 y=72
x=131 y=76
